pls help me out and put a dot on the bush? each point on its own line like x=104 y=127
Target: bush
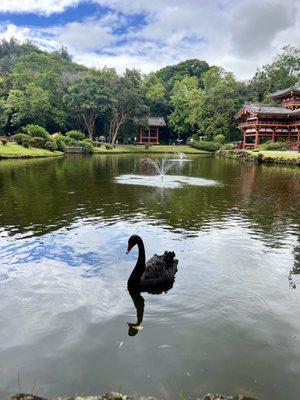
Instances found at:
x=61 y=144
x=35 y=131
x=50 y=145
x=108 y=147
x=147 y=146
x=97 y=144
x=86 y=145
x=219 y=138
x=76 y=135
x=18 y=137
x=37 y=142
x=274 y=146
x=4 y=142
x=70 y=141
x=206 y=145
x=228 y=146
x=27 y=141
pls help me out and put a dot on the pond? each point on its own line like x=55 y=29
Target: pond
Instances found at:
x=231 y=322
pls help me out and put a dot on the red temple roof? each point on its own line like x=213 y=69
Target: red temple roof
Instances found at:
x=284 y=92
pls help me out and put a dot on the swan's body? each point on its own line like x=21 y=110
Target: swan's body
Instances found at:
x=154 y=276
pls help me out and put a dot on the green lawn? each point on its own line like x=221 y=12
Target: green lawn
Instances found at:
x=155 y=149
x=287 y=155
x=12 y=150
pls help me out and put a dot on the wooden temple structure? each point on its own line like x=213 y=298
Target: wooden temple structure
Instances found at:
x=150 y=134
x=272 y=122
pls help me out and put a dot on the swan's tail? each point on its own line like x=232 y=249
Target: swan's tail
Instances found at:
x=169 y=258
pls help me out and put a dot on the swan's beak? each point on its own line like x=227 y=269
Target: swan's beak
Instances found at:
x=128 y=249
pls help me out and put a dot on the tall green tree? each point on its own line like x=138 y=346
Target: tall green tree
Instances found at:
x=32 y=104
x=155 y=94
x=184 y=98
x=172 y=73
x=89 y=98
x=11 y=50
x=217 y=104
x=41 y=73
x=129 y=102
x=282 y=73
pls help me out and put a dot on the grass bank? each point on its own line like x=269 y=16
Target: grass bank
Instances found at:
x=276 y=155
x=12 y=150
x=155 y=149
x=263 y=156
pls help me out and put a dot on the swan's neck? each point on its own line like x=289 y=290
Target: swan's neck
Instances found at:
x=141 y=258
x=135 y=277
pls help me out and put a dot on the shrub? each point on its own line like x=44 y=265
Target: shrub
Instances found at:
x=4 y=142
x=27 y=141
x=18 y=137
x=76 y=135
x=219 y=138
x=37 y=142
x=86 y=145
x=206 y=145
x=274 y=146
x=108 y=147
x=61 y=144
x=70 y=141
x=228 y=146
x=50 y=145
x=35 y=131
x=147 y=146
x=97 y=144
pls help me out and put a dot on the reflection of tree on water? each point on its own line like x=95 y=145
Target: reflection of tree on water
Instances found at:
x=296 y=267
x=139 y=304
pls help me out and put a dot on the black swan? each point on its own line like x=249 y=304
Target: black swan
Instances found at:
x=155 y=276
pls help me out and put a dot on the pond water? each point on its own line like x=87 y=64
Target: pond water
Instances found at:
x=230 y=324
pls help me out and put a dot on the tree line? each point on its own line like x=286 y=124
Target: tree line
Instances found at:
x=195 y=98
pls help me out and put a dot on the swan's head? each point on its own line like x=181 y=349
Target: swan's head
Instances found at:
x=132 y=241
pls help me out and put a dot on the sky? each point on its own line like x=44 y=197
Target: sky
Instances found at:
x=239 y=35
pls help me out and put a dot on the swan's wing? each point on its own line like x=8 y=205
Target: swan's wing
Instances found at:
x=162 y=267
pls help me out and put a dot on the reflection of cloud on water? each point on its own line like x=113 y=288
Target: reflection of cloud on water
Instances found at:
x=168 y=181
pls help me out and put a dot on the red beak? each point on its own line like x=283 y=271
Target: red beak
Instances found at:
x=128 y=249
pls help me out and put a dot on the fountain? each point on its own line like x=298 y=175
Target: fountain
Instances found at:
x=161 y=166
x=161 y=179
x=181 y=158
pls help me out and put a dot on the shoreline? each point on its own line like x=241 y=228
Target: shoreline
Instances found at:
x=15 y=151
x=262 y=156
x=122 y=396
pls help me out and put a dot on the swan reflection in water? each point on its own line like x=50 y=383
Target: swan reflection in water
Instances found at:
x=155 y=276
x=139 y=304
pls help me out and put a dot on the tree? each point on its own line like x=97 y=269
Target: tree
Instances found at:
x=129 y=102
x=32 y=104
x=155 y=94
x=282 y=73
x=184 y=97
x=89 y=97
x=172 y=73
x=44 y=72
x=11 y=50
x=217 y=104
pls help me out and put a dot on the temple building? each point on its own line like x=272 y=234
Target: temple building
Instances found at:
x=150 y=134
x=261 y=122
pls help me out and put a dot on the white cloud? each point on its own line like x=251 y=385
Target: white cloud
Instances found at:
x=84 y=36
x=238 y=35
x=46 y=7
